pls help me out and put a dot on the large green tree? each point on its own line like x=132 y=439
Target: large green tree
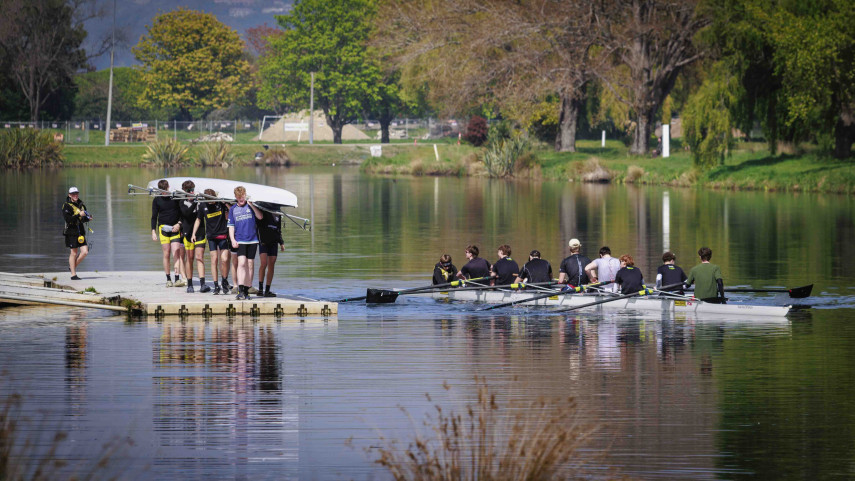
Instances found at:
x=191 y=62
x=329 y=38
x=92 y=89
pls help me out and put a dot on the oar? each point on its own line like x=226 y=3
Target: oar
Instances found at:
x=481 y=287
x=643 y=292
x=795 y=292
x=385 y=296
x=544 y=296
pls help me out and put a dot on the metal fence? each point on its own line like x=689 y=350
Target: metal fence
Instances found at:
x=240 y=131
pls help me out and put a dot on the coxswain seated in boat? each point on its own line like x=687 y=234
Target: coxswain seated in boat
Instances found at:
x=444 y=271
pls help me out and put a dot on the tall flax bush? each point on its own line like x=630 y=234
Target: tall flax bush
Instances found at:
x=216 y=153
x=29 y=148
x=501 y=155
x=540 y=439
x=166 y=152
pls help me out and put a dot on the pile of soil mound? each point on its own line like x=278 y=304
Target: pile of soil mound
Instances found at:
x=323 y=132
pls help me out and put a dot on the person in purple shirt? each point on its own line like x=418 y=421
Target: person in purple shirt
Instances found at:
x=244 y=237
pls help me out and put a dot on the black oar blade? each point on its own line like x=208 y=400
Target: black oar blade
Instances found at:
x=801 y=292
x=380 y=296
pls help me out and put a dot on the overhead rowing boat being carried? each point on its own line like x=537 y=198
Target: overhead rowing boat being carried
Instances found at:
x=272 y=199
x=665 y=304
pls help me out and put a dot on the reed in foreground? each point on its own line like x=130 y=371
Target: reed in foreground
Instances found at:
x=541 y=439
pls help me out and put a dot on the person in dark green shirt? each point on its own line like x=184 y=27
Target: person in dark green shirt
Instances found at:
x=709 y=285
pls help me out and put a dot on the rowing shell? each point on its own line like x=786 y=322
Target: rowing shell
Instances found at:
x=647 y=304
x=225 y=189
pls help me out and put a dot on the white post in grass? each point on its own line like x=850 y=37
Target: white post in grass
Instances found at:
x=604 y=139
x=666 y=140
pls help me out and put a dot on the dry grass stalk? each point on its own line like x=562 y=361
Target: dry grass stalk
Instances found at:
x=25 y=459
x=535 y=440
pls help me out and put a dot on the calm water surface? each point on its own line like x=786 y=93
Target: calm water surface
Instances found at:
x=673 y=398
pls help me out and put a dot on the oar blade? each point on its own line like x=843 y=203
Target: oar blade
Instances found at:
x=380 y=296
x=801 y=292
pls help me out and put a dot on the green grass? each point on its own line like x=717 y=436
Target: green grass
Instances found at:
x=749 y=167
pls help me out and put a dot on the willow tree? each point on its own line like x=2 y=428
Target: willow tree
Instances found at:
x=506 y=53
x=649 y=43
x=191 y=62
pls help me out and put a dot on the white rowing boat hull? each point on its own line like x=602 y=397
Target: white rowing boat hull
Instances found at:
x=646 y=304
x=225 y=188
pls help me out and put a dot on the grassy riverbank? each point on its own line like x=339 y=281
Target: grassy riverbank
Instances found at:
x=750 y=166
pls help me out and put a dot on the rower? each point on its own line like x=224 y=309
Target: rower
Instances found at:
x=572 y=270
x=244 y=237
x=76 y=216
x=709 y=285
x=604 y=269
x=269 y=241
x=193 y=234
x=629 y=277
x=669 y=273
x=444 y=271
x=535 y=270
x=214 y=215
x=505 y=270
x=165 y=226
x=476 y=267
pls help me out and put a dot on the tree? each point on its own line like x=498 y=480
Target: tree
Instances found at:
x=708 y=121
x=506 y=53
x=191 y=62
x=40 y=46
x=814 y=57
x=92 y=89
x=650 y=42
x=329 y=38
x=258 y=39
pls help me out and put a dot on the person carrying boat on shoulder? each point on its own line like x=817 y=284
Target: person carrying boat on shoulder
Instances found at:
x=244 y=237
x=444 y=271
x=193 y=236
x=166 y=227
x=604 y=269
x=215 y=216
x=270 y=239
x=709 y=284
x=572 y=269
x=669 y=273
x=629 y=277
x=476 y=267
x=505 y=270
x=76 y=216
x=535 y=270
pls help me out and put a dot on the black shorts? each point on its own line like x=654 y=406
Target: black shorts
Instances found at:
x=271 y=250
x=218 y=244
x=72 y=241
x=247 y=250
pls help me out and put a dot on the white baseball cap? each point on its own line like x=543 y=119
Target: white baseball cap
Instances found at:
x=73 y=190
x=574 y=243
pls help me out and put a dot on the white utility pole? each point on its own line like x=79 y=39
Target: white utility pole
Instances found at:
x=110 y=89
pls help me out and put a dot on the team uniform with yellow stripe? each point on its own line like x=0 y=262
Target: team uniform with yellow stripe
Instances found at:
x=189 y=210
x=214 y=216
x=165 y=214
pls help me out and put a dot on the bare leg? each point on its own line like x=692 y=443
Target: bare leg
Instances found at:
x=189 y=257
x=240 y=272
x=214 y=261
x=200 y=261
x=224 y=262
x=262 y=266
x=166 y=249
x=84 y=251
x=271 y=264
x=72 y=261
x=178 y=253
x=250 y=271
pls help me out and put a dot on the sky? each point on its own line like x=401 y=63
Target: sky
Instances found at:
x=133 y=16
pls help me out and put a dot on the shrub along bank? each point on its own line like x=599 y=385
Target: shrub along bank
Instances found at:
x=750 y=166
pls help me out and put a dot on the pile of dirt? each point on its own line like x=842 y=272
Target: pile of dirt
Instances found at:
x=322 y=131
x=215 y=137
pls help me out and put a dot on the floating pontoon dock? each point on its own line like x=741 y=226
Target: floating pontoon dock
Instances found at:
x=147 y=291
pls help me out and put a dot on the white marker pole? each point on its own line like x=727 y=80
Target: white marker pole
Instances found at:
x=666 y=140
x=436 y=152
x=604 y=138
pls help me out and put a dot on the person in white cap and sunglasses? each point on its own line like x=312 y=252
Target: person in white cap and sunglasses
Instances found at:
x=76 y=216
x=572 y=270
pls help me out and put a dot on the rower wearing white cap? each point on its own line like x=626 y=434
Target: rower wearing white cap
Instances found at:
x=572 y=270
x=75 y=215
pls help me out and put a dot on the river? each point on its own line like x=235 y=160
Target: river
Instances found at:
x=235 y=399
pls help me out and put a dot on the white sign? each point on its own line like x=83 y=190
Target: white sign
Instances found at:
x=295 y=127
x=376 y=150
